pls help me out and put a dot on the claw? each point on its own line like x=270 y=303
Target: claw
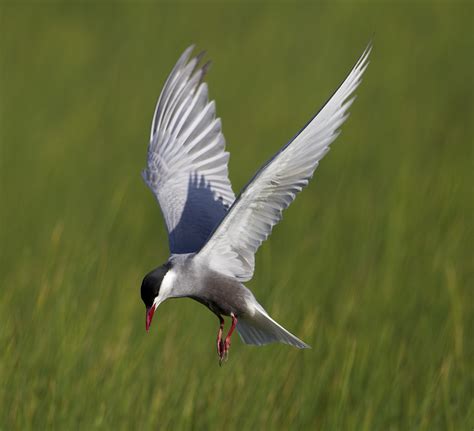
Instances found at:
x=224 y=352
x=220 y=348
x=222 y=359
x=223 y=346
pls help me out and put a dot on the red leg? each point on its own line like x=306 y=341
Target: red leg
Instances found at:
x=220 y=343
x=231 y=330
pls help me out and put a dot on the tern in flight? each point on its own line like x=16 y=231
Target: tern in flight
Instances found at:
x=213 y=236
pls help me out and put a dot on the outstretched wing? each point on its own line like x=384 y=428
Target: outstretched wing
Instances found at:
x=231 y=248
x=187 y=162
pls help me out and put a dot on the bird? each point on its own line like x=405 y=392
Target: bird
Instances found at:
x=213 y=236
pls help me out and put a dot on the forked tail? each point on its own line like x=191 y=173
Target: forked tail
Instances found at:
x=261 y=329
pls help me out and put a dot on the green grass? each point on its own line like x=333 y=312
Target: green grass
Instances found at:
x=372 y=265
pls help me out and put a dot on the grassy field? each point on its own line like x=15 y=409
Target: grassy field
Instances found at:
x=372 y=265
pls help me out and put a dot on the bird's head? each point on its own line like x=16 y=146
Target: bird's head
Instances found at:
x=154 y=291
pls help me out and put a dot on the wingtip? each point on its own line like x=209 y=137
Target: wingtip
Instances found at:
x=185 y=55
x=200 y=56
x=368 y=48
x=202 y=70
x=190 y=49
x=303 y=345
x=363 y=60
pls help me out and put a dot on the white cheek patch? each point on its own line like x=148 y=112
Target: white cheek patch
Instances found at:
x=166 y=289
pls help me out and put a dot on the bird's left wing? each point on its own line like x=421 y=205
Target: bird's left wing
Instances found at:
x=187 y=162
x=232 y=246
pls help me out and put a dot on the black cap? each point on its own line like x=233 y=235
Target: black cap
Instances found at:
x=151 y=284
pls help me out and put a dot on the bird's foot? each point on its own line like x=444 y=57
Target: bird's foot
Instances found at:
x=224 y=351
x=223 y=346
x=220 y=348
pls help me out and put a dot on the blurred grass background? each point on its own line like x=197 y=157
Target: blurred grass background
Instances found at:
x=372 y=265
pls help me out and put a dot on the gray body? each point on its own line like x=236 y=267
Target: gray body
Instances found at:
x=223 y=295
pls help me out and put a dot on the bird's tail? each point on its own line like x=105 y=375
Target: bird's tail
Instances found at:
x=261 y=329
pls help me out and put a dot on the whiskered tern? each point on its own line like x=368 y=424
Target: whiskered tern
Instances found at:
x=213 y=236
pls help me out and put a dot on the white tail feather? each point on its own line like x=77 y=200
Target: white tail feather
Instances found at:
x=261 y=329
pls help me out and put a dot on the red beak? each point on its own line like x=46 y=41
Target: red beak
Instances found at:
x=149 y=315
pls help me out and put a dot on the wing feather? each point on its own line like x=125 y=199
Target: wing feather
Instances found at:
x=187 y=165
x=232 y=246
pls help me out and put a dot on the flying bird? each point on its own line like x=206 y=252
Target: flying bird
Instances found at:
x=213 y=236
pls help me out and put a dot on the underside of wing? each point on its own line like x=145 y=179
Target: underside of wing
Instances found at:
x=231 y=248
x=187 y=162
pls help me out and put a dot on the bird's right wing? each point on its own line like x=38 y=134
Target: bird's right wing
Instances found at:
x=232 y=246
